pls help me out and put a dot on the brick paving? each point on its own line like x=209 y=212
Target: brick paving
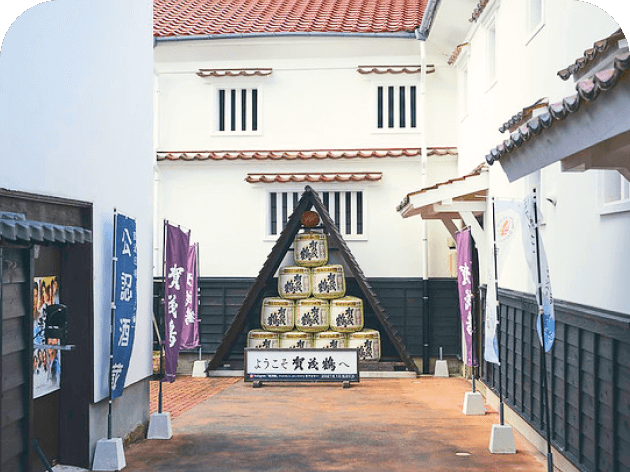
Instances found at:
x=187 y=392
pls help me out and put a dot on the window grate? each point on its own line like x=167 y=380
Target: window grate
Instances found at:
x=396 y=109
x=346 y=208
x=237 y=110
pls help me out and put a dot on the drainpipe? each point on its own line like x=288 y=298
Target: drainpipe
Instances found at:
x=426 y=319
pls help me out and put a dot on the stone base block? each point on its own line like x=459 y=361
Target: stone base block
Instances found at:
x=160 y=426
x=474 y=404
x=441 y=369
x=502 y=440
x=109 y=455
x=199 y=368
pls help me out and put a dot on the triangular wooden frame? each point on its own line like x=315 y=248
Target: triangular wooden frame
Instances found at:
x=308 y=200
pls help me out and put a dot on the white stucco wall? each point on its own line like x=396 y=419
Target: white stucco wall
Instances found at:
x=76 y=122
x=587 y=251
x=314 y=99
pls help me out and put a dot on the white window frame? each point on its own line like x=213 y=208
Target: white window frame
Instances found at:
x=491 y=52
x=619 y=205
x=396 y=84
x=238 y=86
x=531 y=28
x=463 y=89
x=320 y=189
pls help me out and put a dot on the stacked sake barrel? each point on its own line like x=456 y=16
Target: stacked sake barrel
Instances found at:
x=312 y=309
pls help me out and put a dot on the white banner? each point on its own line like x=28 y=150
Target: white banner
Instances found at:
x=537 y=260
x=506 y=225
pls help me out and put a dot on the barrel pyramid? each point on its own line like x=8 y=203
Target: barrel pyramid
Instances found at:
x=312 y=309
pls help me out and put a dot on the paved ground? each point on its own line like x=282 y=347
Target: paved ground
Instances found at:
x=377 y=425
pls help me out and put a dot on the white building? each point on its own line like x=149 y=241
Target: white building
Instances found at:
x=568 y=140
x=256 y=103
x=76 y=143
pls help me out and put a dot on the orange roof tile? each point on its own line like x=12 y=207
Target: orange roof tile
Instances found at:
x=216 y=17
x=301 y=155
x=313 y=177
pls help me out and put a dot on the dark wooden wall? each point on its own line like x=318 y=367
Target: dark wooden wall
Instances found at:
x=401 y=298
x=589 y=377
x=16 y=354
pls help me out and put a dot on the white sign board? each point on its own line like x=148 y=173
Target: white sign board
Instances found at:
x=301 y=365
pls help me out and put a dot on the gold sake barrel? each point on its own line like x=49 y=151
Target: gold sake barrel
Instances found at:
x=312 y=315
x=294 y=282
x=277 y=314
x=346 y=314
x=260 y=339
x=328 y=281
x=295 y=340
x=310 y=249
x=329 y=340
x=367 y=342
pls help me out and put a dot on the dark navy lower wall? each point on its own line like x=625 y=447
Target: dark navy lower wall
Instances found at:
x=401 y=297
x=588 y=376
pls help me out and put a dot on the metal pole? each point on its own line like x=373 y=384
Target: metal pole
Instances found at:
x=498 y=312
x=543 y=362
x=111 y=333
x=161 y=375
x=198 y=320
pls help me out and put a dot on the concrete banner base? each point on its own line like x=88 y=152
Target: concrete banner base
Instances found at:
x=474 y=404
x=441 y=369
x=160 y=426
x=199 y=368
x=109 y=455
x=502 y=440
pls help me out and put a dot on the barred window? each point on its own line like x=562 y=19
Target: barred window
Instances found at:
x=237 y=110
x=396 y=107
x=346 y=209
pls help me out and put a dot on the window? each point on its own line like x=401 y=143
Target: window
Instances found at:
x=396 y=107
x=491 y=54
x=615 y=192
x=535 y=19
x=345 y=207
x=237 y=110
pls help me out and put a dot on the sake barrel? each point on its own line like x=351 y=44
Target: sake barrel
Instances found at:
x=277 y=314
x=312 y=315
x=329 y=340
x=346 y=314
x=295 y=340
x=328 y=281
x=260 y=339
x=310 y=249
x=367 y=342
x=294 y=282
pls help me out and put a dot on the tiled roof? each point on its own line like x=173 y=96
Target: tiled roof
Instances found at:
x=587 y=91
x=476 y=171
x=481 y=6
x=302 y=155
x=380 y=70
x=216 y=17
x=523 y=115
x=591 y=54
x=314 y=177
x=234 y=72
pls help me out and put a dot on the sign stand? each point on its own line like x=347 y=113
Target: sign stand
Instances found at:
x=109 y=453
x=160 y=422
x=502 y=436
x=301 y=365
x=441 y=367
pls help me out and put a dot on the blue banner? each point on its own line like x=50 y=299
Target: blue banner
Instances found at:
x=125 y=300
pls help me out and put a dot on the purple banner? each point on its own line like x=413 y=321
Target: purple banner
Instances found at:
x=190 y=328
x=175 y=262
x=465 y=289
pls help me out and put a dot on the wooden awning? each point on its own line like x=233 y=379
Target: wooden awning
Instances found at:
x=462 y=198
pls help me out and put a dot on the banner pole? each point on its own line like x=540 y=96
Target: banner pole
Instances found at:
x=543 y=362
x=160 y=401
x=498 y=311
x=111 y=334
x=198 y=320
